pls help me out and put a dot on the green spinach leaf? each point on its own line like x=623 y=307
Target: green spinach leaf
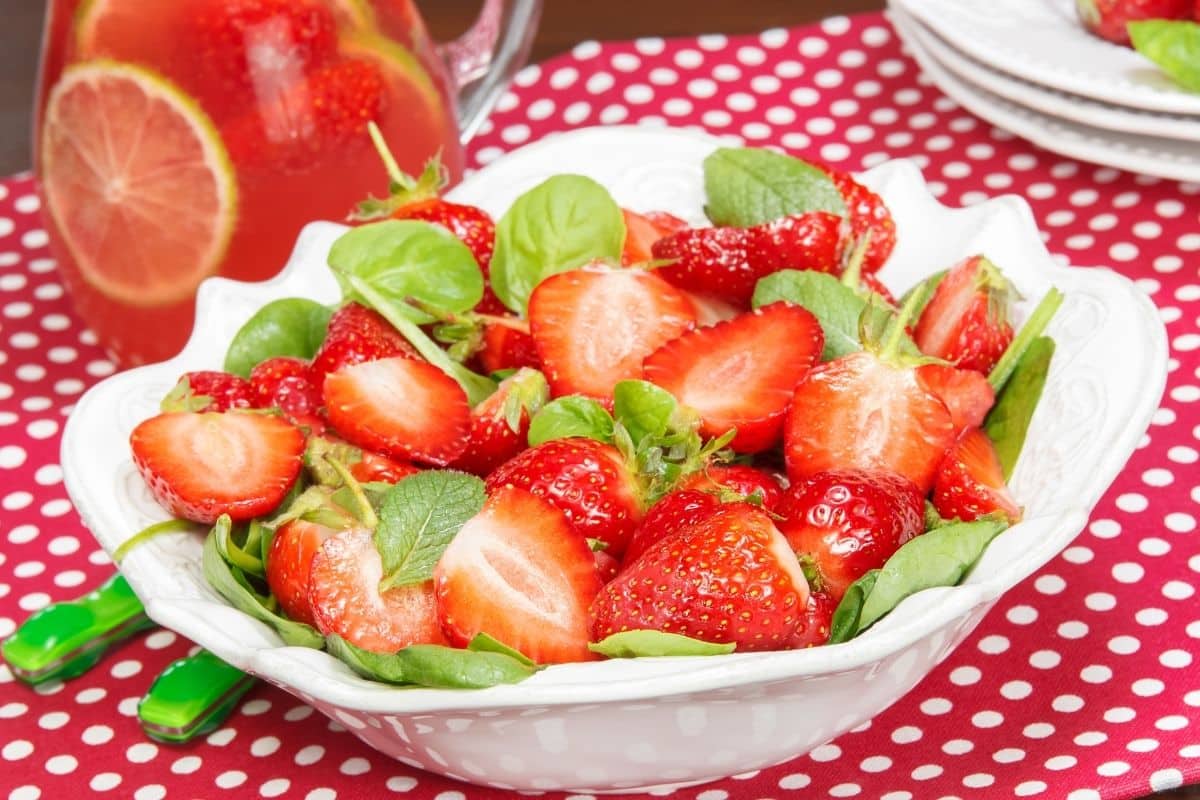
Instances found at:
x=1008 y=421
x=1174 y=45
x=292 y=326
x=573 y=415
x=433 y=665
x=643 y=408
x=639 y=643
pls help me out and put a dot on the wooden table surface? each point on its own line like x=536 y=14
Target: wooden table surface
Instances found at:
x=564 y=23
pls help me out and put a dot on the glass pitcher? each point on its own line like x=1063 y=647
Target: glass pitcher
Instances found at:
x=179 y=139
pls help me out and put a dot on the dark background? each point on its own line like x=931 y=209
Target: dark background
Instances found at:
x=564 y=23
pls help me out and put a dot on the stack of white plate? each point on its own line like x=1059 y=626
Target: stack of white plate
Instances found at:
x=1029 y=67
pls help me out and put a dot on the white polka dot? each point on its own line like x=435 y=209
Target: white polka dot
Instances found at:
x=16 y=750
x=875 y=764
x=1147 y=687
x=1045 y=659
x=1111 y=769
x=1124 y=645
x=1142 y=745
x=936 y=706
x=141 y=752
x=1038 y=730
x=310 y=755
x=1177 y=590
x=276 y=786
x=1008 y=755
x=1022 y=615
x=231 y=779
x=1029 y=788
x=126 y=669
x=797 y=780
x=926 y=772
x=186 y=765
x=906 y=734
x=1100 y=601
x=105 y=781
x=957 y=747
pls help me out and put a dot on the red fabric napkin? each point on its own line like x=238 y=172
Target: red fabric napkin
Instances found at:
x=1079 y=685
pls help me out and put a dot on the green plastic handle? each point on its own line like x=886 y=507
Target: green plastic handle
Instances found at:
x=65 y=640
x=191 y=697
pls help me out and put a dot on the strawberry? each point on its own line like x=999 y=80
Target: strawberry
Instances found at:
x=500 y=424
x=607 y=567
x=378 y=468
x=289 y=385
x=345 y=598
x=727 y=262
x=728 y=578
x=966 y=320
x=967 y=394
x=643 y=230
x=200 y=466
x=1109 y=19
x=507 y=348
x=763 y=353
x=521 y=573
x=817 y=624
x=586 y=480
x=357 y=334
x=739 y=479
x=846 y=521
x=970 y=483
x=675 y=512
x=209 y=390
x=870 y=282
x=400 y=407
x=866 y=213
x=365 y=466
x=289 y=563
x=593 y=326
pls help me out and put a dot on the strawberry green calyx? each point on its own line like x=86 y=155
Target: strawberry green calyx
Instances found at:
x=1031 y=330
x=884 y=331
x=852 y=274
x=528 y=393
x=999 y=289
x=403 y=189
x=182 y=398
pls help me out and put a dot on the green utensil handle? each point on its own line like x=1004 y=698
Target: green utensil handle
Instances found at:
x=191 y=697
x=64 y=640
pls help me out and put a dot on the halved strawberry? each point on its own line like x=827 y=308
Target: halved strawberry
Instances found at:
x=593 y=326
x=643 y=230
x=289 y=564
x=674 y=513
x=500 y=424
x=378 y=468
x=730 y=577
x=345 y=598
x=966 y=320
x=507 y=348
x=519 y=572
x=289 y=385
x=588 y=481
x=400 y=407
x=866 y=213
x=357 y=334
x=738 y=479
x=967 y=394
x=209 y=390
x=740 y=373
x=200 y=466
x=970 y=482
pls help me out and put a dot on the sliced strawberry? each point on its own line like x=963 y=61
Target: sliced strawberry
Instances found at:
x=741 y=373
x=209 y=390
x=1109 y=19
x=587 y=480
x=737 y=479
x=966 y=320
x=866 y=213
x=507 y=348
x=289 y=564
x=401 y=407
x=357 y=334
x=859 y=411
x=378 y=468
x=289 y=385
x=345 y=598
x=970 y=482
x=844 y=522
x=519 y=572
x=817 y=624
x=643 y=230
x=200 y=466
x=594 y=326
x=967 y=394
x=728 y=578
x=676 y=512
x=500 y=424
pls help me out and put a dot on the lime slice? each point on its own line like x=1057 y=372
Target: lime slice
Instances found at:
x=137 y=182
x=398 y=63
x=355 y=14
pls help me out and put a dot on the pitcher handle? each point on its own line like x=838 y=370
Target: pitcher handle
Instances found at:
x=483 y=60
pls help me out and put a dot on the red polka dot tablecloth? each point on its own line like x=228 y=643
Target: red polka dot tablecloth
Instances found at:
x=1081 y=684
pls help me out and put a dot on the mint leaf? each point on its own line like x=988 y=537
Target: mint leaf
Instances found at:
x=836 y=306
x=748 y=186
x=573 y=415
x=639 y=643
x=643 y=408
x=1008 y=421
x=1174 y=45
x=558 y=225
x=403 y=259
x=291 y=326
x=418 y=518
x=433 y=665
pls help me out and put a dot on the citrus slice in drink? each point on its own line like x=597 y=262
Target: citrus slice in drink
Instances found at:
x=404 y=72
x=137 y=182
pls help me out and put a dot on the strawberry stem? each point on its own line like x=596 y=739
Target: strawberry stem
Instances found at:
x=146 y=534
x=852 y=275
x=1032 y=329
x=394 y=173
x=364 y=513
x=907 y=311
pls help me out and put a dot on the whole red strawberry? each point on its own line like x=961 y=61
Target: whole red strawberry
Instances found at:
x=357 y=334
x=674 y=513
x=738 y=479
x=842 y=523
x=867 y=215
x=587 y=480
x=817 y=624
x=1109 y=19
x=500 y=424
x=289 y=384
x=507 y=348
x=728 y=578
x=970 y=482
x=209 y=390
x=966 y=320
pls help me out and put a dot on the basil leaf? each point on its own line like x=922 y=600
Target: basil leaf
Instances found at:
x=403 y=259
x=1008 y=421
x=558 y=225
x=483 y=643
x=292 y=326
x=643 y=408
x=1174 y=45
x=747 y=186
x=433 y=665
x=639 y=643
x=837 y=307
x=418 y=518
x=938 y=558
x=573 y=415
x=229 y=582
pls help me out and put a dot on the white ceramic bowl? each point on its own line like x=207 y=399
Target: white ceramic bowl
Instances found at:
x=621 y=725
